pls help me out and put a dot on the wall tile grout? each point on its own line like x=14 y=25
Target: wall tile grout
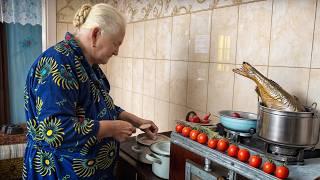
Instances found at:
x=270 y=34
x=310 y=66
x=235 y=58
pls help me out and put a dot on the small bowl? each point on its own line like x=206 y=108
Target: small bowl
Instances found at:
x=246 y=121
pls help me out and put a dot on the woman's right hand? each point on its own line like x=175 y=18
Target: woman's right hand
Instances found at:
x=118 y=129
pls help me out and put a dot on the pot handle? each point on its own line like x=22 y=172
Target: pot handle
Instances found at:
x=317 y=116
x=153 y=158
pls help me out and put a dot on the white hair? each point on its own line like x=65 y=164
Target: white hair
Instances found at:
x=102 y=15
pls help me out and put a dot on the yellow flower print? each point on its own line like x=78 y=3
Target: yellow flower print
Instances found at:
x=106 y=155
x=95 y=92
x=81 y=72
x=87 y=147
x=44 y=163
x=51 y=132
x=64 y=78
x=82 y=124
x=108 y=100
x=39 y=104
x=33 y=129
x=63 y=48
x=45 y=67
x=84 y=167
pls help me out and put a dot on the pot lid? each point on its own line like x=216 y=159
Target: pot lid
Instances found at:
x=161 y=148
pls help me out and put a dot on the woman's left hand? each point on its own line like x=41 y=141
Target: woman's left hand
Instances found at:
x=152 y=130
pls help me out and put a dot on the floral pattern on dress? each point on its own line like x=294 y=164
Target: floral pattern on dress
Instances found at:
x=64 y=78
x=106 y=155
x=50 y=130
x=84 y=167
x=43 y=163
x=46 y=66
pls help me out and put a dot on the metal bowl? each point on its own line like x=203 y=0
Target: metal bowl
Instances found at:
x=246 y=122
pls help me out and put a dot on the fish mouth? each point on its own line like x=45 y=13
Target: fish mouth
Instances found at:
x=244 y=70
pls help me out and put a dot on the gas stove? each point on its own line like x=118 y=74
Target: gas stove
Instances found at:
x=289 y=155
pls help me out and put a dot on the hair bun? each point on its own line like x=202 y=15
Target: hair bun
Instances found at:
x=81 y=15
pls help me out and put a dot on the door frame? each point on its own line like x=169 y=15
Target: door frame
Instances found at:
x=49 y=23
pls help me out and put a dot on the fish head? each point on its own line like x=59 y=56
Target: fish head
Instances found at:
x=246 y=70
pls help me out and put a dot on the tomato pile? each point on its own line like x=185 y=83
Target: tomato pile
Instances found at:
x=233 y=150
x=194 y=118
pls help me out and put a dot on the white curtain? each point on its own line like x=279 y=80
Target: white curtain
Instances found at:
x=20 y=11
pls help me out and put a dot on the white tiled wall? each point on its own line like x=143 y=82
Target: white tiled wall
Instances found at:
x=170 y=65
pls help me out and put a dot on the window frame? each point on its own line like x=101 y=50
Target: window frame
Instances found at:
x=4 y=86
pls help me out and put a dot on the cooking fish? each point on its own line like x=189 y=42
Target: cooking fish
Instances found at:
x=272 y=95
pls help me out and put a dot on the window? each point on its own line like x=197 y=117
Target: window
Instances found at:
x=21 y=43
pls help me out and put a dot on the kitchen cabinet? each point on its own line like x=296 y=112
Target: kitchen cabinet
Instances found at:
x=178 y=159
x=185 y=164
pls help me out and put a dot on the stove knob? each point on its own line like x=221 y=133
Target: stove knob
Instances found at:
x=252 y=131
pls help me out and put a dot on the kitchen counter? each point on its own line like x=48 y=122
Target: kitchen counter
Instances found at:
x=311 y=169
x=129 y=167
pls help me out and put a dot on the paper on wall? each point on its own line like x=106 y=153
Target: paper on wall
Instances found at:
x=201 y=44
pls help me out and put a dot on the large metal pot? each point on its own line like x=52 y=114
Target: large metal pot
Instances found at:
x=296 y=129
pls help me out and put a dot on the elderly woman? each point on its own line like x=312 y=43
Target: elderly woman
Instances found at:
x=74 y=128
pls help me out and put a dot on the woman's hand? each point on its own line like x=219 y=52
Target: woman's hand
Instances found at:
x=152 y=130
x=118 y=129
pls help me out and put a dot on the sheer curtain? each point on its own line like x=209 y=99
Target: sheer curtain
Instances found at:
x=20 y=11
x=22 y=22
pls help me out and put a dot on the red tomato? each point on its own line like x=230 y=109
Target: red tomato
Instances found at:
x=222 y=145
x=233 y=150
x=269 y=167
x=195 y=119
x=202 y=138
x=255 y=161
x=212 y=143
x=243 y=155
x=186 y=131
x=282 y=172
x=235 y=114
x=194 y=134
x=179 y=128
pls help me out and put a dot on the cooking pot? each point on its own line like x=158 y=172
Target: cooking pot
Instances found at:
x=160 y=158
x=296 y=129
x=245 y=123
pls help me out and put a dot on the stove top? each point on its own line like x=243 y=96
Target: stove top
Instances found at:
x=289 y=155
x=136 y=150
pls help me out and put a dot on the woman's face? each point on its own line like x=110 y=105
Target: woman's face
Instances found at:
x=106 y=46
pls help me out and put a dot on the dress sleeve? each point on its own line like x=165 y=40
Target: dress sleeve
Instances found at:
x=118 y=110
x=62 y=123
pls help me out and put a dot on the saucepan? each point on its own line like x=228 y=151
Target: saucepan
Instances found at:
x=160 y=158
x=238 y=120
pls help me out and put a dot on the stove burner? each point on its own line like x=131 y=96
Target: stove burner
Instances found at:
x=250 y=140
x=275 y=149
x=235 y=136
x=289 y=155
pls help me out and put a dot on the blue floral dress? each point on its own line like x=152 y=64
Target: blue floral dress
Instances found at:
x=65 y=98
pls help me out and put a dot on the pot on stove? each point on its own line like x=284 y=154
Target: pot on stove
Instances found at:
x=294 y=129
x=160 y=158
